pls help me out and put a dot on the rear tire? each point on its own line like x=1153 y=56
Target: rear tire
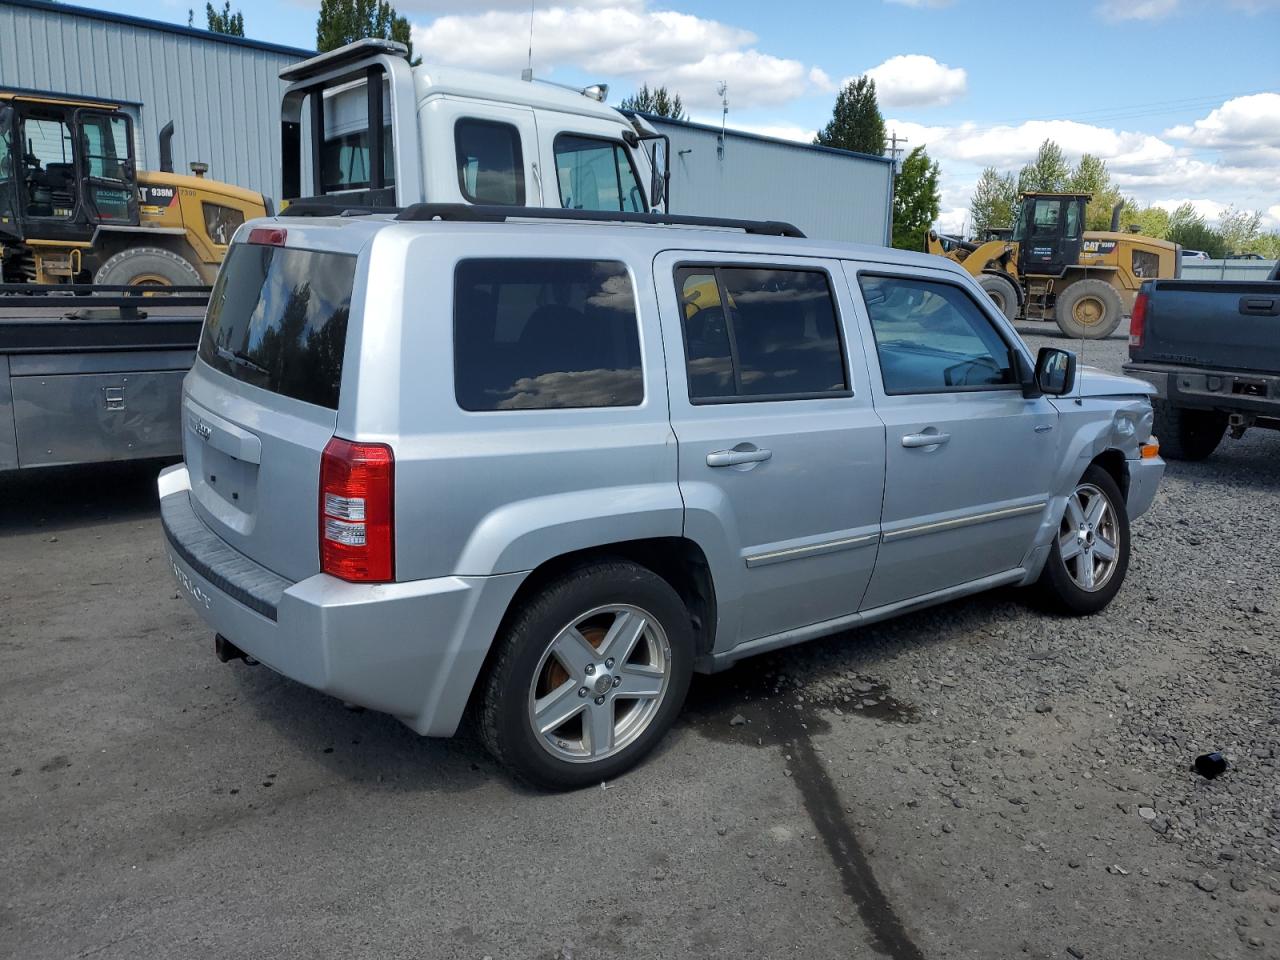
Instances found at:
x=1187 y=434
x=1088 y=310
x=1002 y=293
x=574 y=635
x=1090 y=554
x=148 y=266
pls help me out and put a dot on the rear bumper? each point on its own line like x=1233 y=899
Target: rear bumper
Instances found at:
x=411 y=649
x=1144 y=480
x=1206 y=389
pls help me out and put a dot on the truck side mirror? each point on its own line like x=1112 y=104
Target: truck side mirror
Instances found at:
x=1055 y=371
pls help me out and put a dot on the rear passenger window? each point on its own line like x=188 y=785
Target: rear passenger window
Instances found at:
x=490 y=162
x=933 y=338
x=542 y=334
x=754 y=333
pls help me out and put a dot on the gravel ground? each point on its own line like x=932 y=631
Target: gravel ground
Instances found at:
x=976 y=780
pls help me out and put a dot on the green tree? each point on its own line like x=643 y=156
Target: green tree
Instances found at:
x=1047 y=173
x=1240 y=229
x=856 y=122
x=916 y=200
x=657 y=101
x=993 y=201
x=1188 y=228
x=1150 y=221
x=1091 y=176
x=344 y=21
x=224 y=21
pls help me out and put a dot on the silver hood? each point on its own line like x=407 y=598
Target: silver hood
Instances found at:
x=1094 y=382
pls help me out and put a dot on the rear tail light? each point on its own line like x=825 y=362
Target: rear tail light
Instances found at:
x=271 y=236
x=357 y=491
x=1138 y=320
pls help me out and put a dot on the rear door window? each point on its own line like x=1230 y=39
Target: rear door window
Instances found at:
x=490 y=161
x=533 y=334
x=278 y=320
x=760 y=333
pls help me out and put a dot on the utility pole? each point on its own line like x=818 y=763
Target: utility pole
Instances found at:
x=894 y=154
x=722 y=88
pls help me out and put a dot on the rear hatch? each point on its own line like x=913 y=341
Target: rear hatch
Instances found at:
x=1221 y=324
x=262 y=400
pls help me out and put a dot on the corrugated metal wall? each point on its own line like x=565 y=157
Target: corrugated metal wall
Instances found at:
x=1227 y=269
x=829 y=194
x=223 y=98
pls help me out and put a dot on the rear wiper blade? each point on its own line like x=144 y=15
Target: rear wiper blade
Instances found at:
x=241 y=360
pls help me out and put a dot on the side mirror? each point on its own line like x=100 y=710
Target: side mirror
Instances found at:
x=1055 y=371
x=658 y=166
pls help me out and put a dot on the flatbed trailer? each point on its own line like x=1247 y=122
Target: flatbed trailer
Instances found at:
x=90 y=373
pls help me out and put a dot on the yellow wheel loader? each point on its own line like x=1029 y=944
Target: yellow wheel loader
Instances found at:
x=1050 y=268
x=75 y=209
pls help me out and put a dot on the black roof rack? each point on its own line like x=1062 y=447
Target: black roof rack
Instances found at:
x=328 y=208
x=479 y=213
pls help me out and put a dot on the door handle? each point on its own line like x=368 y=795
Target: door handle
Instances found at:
x=1260 y=306
x=925 y=439
x=731 y=458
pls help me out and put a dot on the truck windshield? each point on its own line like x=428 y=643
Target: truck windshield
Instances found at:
x=596 y=174
x=278 y=320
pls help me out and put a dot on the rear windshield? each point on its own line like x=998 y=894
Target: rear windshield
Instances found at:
x=278 y=320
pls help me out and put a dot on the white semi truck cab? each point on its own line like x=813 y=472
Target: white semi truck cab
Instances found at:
x=457 y=136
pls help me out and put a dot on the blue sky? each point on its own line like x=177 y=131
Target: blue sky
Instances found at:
x=1181 y=97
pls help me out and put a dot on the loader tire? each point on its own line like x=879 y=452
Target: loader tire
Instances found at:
x=148 y=267
x=1001 y=292
x=1088 y=310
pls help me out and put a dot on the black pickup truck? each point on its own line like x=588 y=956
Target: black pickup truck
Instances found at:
x=1211 y=348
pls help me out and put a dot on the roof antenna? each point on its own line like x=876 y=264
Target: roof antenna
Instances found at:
x=527 y=72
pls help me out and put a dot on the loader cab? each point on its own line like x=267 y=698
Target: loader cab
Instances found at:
x=1049 y=230
x=362 y=128
x=66 y=168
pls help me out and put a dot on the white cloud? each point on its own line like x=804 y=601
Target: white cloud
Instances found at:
x=1252 y=121
x=687 y=53
x=1229 y=157
x=1159 y=9
x=1142 y=10
x=914 y=80
x=1209 y=209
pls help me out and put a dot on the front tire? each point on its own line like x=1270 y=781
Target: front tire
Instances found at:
x=1090 y=555
x=148 y=267
x=1088 y=310
x=1001 y=292
x=588 y=676
x=1187 y=434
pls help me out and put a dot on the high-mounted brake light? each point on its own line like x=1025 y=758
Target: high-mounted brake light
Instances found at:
x=357 y=493
x=1138 y=320
x=271 y=236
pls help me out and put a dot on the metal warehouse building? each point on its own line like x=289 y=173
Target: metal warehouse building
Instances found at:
x=829 y=194
x=223 y=95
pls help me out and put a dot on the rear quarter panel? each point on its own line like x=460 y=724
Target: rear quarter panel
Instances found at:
x=481 y=493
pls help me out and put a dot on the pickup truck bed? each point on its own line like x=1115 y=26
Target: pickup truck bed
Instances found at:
x=1211 y=348
x=95 y=377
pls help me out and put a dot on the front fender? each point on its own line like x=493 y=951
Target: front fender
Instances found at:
x=1090 y=427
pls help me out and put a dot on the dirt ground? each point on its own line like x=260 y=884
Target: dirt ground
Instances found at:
x=977 y=780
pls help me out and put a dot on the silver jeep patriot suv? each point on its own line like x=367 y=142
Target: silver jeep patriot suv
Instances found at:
x=547 y=463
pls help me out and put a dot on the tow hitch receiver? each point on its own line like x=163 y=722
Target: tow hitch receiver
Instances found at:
x=226 y=651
